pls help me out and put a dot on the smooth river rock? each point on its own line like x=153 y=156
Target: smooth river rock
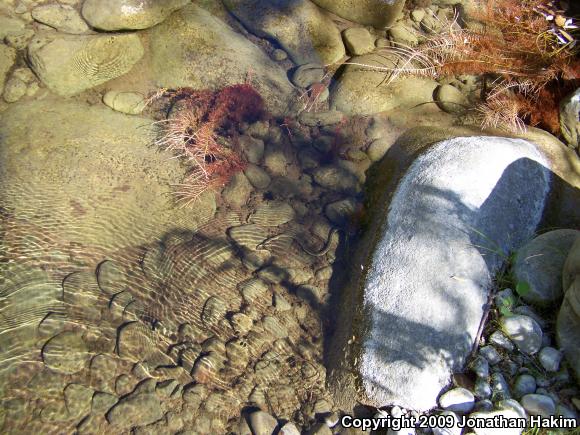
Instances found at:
x=306 y=33
x=461 y=206
x=193 y=48
x=539 y=263
x=377 y=13
x=69 y=64
x=362 y=88
x=128 y=14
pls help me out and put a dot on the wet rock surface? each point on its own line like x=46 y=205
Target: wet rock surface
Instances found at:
x=69 y=65
x=301 y=29
x=128 y=14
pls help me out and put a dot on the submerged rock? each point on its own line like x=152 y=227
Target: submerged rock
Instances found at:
x=431 y=268
x=63 y=18
x=7 y=58
x=68 y=64
x=377 y=13
x=209 y=54
x=130 y=103
x=302 y=29
x=361 y=90
x=128 y=14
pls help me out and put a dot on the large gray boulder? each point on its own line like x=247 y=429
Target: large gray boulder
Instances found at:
x=128 y=14
x=71 y=64
x=209 y=54
x=539 y=263
x=457 y=212
x=301 y=28
x=377 y=13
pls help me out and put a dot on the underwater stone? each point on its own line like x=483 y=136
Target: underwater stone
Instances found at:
x=136 y=410
x=68 y=65
x=376 y=13
x=66 y=353
x=128 y=14
x=301 y=29
x=131 y=103
x=63 y=18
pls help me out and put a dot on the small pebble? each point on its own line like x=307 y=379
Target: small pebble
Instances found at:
x=396 y=412
x=483 y=405
x=482 y=389
x=499 y=387
x=538 y=404
x=279 y=55
x=525 y=384
x=524 y=331
x=513 y=405
x=500 y=340
x=550 y=358
x=490 y=354
x=457 y=400
x=480 y=367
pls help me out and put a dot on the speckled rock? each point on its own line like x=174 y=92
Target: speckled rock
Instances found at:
x=301 y=29
x=128 y=14
x=68 y=65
